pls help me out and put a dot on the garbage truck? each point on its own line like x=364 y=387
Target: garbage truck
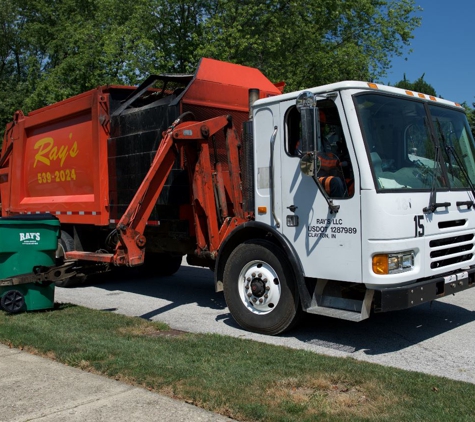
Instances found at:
x=341 y=200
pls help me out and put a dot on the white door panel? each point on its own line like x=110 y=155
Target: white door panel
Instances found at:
x=328 y=245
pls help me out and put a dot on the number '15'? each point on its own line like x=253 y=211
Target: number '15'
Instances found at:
x=418 y=226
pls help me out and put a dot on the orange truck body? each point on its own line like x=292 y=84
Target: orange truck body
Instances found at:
x=62 y=159
x=56 y=163
x=125 y=179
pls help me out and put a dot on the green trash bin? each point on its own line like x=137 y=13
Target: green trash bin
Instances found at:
x=27 y=242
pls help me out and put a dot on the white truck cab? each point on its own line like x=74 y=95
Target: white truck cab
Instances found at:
x=399 y=230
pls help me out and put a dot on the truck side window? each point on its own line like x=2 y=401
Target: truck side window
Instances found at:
x=336 y=172
x=293 y=132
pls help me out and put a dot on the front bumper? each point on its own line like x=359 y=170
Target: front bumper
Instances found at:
x=409 y=295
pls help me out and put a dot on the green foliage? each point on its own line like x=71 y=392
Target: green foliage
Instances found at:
x=106 y=43
x=53 y=49
x=419 y=85
x=470 y=116
x=310 y=43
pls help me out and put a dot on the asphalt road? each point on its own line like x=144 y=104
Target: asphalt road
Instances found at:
x=437 y=338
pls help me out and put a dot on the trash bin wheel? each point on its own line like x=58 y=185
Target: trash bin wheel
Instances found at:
x=13 y=301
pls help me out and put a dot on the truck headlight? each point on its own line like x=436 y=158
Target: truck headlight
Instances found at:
x=393 y=263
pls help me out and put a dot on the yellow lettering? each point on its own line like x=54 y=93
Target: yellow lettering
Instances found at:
x=44 y=145
x=63 y=152
x=74 y=150
x=49 y=152
x=53 y=155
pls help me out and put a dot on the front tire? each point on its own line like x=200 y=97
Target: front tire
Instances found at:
x=260 y=289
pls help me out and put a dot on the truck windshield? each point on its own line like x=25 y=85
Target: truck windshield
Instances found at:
x=455 y=138
x=400 y=136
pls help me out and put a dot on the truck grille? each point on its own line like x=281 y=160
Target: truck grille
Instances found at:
x=451 y=250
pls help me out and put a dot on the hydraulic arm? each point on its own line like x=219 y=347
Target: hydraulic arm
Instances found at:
x=208 y=194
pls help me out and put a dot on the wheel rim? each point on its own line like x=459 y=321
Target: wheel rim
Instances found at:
x=259 y=287
x=13 y=301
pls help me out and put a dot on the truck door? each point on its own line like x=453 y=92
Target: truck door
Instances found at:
x=328 y=244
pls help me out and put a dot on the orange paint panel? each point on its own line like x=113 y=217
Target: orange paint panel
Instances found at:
x=224 y=73
x=57 y=162
x=62 y=201
x=226 y=86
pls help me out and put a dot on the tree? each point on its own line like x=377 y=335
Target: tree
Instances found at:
x=419 y=85
x=309 y=43
x=53 y=49
x=80 y=44
x=13 y=69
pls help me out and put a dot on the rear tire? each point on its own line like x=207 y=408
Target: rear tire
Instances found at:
x=260 y=289
x=66 y=244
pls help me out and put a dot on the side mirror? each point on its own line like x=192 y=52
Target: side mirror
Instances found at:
x=307 y=164
x=310 y=164
x=307 y=107
x=305 y=100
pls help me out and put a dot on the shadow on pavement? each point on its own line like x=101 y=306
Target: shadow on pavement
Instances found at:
x=382 y=333
x=188 y=285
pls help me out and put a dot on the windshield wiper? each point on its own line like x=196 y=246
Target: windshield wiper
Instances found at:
x=449 y=149
x=433 y=204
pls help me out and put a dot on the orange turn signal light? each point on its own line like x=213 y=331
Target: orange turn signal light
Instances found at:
x=380 y=264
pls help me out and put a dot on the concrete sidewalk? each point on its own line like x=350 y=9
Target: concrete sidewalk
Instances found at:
x=34 y=388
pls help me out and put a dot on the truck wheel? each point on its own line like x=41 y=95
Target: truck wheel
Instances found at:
x=66 y=244
x=260 y=289
x=13 y=301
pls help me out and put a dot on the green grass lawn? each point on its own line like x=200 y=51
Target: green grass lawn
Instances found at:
x=242 y=379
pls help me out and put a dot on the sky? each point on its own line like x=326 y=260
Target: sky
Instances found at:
x=443 y=50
